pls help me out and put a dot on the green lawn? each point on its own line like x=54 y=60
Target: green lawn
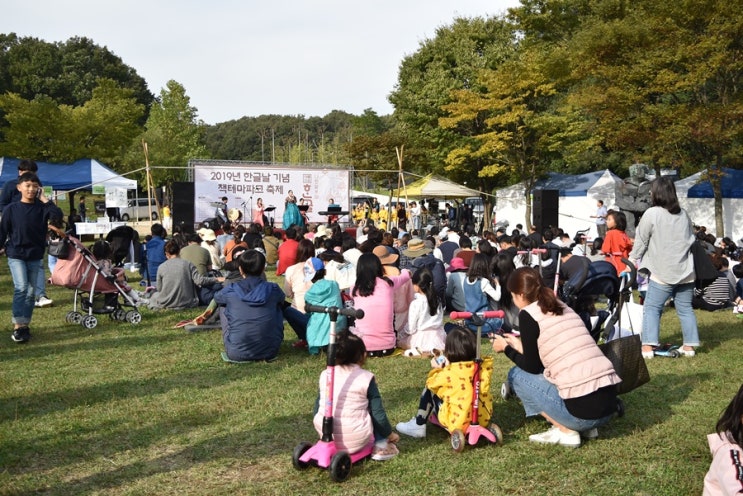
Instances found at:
x=150 y=409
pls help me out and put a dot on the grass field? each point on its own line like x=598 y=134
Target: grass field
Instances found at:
x=150 y=409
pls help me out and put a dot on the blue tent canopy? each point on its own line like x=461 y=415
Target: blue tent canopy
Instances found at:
x=732 y=186
x=66 y=177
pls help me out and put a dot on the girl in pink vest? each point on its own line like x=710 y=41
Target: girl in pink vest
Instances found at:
x=358 y=412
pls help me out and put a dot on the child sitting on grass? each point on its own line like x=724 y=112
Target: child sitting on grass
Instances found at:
x=449 y=389
x=358 y=412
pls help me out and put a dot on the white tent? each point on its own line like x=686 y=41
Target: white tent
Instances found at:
x=577 y=199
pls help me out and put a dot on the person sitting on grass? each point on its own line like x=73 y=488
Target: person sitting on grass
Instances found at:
x=449 y=389
x=358 y=412
x=251 y=312
x=178 y=282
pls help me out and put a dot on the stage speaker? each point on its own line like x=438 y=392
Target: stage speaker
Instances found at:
x=544 y=208
x=183 y=204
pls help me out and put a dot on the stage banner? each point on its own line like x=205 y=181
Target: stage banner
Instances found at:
x=244 y=183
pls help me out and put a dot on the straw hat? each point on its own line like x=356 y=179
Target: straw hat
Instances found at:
x=416 y=248
x=384 y=255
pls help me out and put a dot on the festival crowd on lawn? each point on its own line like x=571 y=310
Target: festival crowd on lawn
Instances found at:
x=406 y=276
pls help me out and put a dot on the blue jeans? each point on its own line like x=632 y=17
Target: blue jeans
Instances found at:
x=538 y=396
x=25 y=274
x=40 y=281
x=656 y=298
x=297 y=321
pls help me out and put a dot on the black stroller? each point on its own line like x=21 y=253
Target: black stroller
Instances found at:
x=600 y=279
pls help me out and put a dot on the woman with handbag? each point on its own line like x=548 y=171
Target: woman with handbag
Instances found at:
x=663 y=240
x=560 y=373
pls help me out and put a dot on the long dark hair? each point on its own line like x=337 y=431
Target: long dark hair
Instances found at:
x=484 y=247
x=460 y=345
x=305 y=251
x=368 y=270
x=526 y=281
x=479 y=268
x=423 y=278
x=731 y=420
x=502 y=267
x=663 y=194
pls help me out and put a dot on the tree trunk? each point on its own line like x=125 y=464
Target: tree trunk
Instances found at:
x=716 y=181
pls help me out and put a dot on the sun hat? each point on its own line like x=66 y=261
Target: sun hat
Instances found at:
x=384 y=255
x=311 y=266
x=322 y=230
x=456 y=264
x=206 y=234
x=416 y=248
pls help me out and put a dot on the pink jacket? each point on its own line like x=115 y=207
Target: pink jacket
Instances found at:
x=725 y=474
x=572 y=360
x=375 y=329
x=352 y=423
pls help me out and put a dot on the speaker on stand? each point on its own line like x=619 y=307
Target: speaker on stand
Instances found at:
x=544 y=208
x=183 y=205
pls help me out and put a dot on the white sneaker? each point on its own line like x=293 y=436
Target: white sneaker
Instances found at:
x=688 y=353
x=43 y=302
x=411 y=428
x=556 y=436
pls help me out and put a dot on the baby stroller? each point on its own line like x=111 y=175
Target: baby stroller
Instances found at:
x=325 y=453
x=80 y=271
x=599 y=279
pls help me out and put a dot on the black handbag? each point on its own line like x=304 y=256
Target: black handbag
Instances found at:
x=625 y=354
x=704 y=270
x=59 y=247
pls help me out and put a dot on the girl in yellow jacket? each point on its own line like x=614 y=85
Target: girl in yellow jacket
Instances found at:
x=449 y=388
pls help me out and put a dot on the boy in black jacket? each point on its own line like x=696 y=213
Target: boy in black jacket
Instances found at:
x=23 y=229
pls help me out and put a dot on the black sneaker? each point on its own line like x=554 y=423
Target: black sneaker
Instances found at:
x=21 y=335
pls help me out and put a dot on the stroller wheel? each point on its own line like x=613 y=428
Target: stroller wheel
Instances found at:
x=340 y=466
x=620 y=408
x=74 y=317
x=497 y=432
x=300 y=450
x=457 y=440
x=90 y=321
x=133 y=317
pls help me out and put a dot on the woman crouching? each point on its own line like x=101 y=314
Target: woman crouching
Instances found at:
x=560 y=373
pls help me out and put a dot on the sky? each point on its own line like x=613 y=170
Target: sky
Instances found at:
x=240 y=58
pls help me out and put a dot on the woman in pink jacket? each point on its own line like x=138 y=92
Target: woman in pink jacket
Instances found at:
x=560 y=373
x=725 y=475
x=373 y=293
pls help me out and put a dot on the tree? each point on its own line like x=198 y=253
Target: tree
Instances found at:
x=174 y=135
x=517 y=122
x=663 y=81
x=44 y=130
x=67 y=72
x=426 y=81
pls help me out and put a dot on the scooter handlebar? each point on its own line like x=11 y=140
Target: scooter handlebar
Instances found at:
x=490 y=314
x=348 y=312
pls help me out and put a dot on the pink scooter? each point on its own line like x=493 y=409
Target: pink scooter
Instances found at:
x=325 y=453
x=474 y=431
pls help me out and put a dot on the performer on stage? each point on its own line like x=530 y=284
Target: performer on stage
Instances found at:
x=292 y=217
x=332 y=205
x=258 y=217
x=221 y=211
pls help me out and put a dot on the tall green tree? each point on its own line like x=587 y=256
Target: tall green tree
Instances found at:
x=663 y=81
x=427 y=80
x=44 y=130
x=173 y=134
